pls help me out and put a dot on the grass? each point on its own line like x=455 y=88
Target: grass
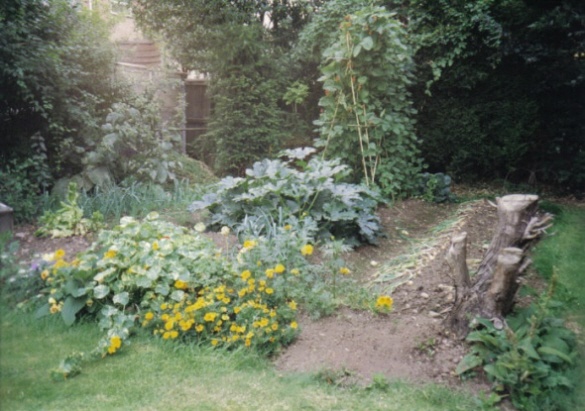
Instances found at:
x=563 y=254
x=155 y=375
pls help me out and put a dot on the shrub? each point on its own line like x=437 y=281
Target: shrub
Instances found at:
x=179 y=285
x=529 y=359
x=274 y=187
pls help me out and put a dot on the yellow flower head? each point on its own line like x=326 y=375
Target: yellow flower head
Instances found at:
x=60 y=264
x=269 y=291
x=294 y=325
x=199 y=328
x=344 y=271
x=295 y=271
x=292 y=305
x=279 y=269
x=307 y=249
x=246 y=274
x=45 y=274
x=270 y=273
x=181 y=285
x=288 y=227
x=59 y=254
x=249 y=244
x=148 y=316
x=110 y=254
x=210 y=317
x=384 y=302
x=155 y=246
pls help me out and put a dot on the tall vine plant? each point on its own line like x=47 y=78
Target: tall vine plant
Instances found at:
x=367 y=114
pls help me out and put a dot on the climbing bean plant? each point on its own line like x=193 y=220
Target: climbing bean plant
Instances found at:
x=367 y=114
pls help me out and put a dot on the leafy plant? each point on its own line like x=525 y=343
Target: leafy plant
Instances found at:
x=367 y=116
x=131 y=147
x=529 y=359
x=68 y=220
x=272 y=187
x=25 y=182
x=435 y=188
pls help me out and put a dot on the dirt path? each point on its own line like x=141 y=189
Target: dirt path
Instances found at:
x=410 y=343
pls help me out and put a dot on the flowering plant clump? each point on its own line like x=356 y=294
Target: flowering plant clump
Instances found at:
x=384 y=304
x=178 y=284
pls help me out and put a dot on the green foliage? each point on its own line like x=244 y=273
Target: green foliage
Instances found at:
x=529 y=360
x=68 y=220
x=56 y=65
x=176 y=282
x=367 y=117
x=131 y=147
x=24 y=182
x=275 y=187
x=435 y=187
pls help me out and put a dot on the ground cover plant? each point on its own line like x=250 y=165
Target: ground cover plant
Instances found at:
x=312 y=189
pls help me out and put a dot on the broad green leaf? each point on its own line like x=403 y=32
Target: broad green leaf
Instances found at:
x=553 y=352
x=367 y=43
x=71 y=307
x=468 y=363
x=121 y=298
x=101 y=291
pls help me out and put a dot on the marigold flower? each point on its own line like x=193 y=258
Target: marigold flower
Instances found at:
x=164 y=306
x=59 y=254
x=288 y=227
x=60 y=264
x=214 y=342
x=249 y=244
x=270 y=273
x=155 y=246
x=384 y=302
x=294 y=325
x=274 y=327
x=181 y=285
x=344 y=270
x=269 y=291
x=307 y=249
x=45 y=274
x=210 y=317
x=295 y=271
x=110 y=254
x=246 y=274
x=292 y=305
x=199 y=328
x=279 y=269
x=148 y=316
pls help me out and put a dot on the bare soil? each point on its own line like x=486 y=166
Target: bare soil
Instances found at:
x=409 y=343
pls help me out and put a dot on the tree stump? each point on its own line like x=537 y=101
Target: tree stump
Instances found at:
x=496 y=282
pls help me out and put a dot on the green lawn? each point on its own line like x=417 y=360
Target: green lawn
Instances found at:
x=153 y=375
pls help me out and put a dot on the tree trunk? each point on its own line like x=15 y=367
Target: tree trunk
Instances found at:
x=496 y=282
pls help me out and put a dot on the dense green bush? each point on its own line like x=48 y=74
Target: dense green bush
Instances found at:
x=316 y=191
x=529 y=360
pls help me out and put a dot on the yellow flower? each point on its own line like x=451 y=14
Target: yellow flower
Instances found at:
x=181 y=285
x=54 y=309
x=269 y=291
x=210 y=317
x=248 y=342
x=249 y=244
x=169 y=325
x=199 y=328
x=214 y=342
x=89 y=303
x=246 y=274
x=274 y=327
x=292 y=305
x=295 y=271
x=155 y=246
x=110 y=254
x=288 y=227
x=344 y=270
x=59 y=254
x=294 y=325
x=279 y=269
x=237 y=310
x=45 y=274
x=384 y=302
x=270 y=273
x=174 y=334
x=115 y=344
x=60 y=264
x=164 y=306
x=148 y=316
x=307 y=249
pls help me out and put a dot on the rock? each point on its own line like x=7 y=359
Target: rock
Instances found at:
x=20 y=236
x=434 y=314
x=424 y=295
